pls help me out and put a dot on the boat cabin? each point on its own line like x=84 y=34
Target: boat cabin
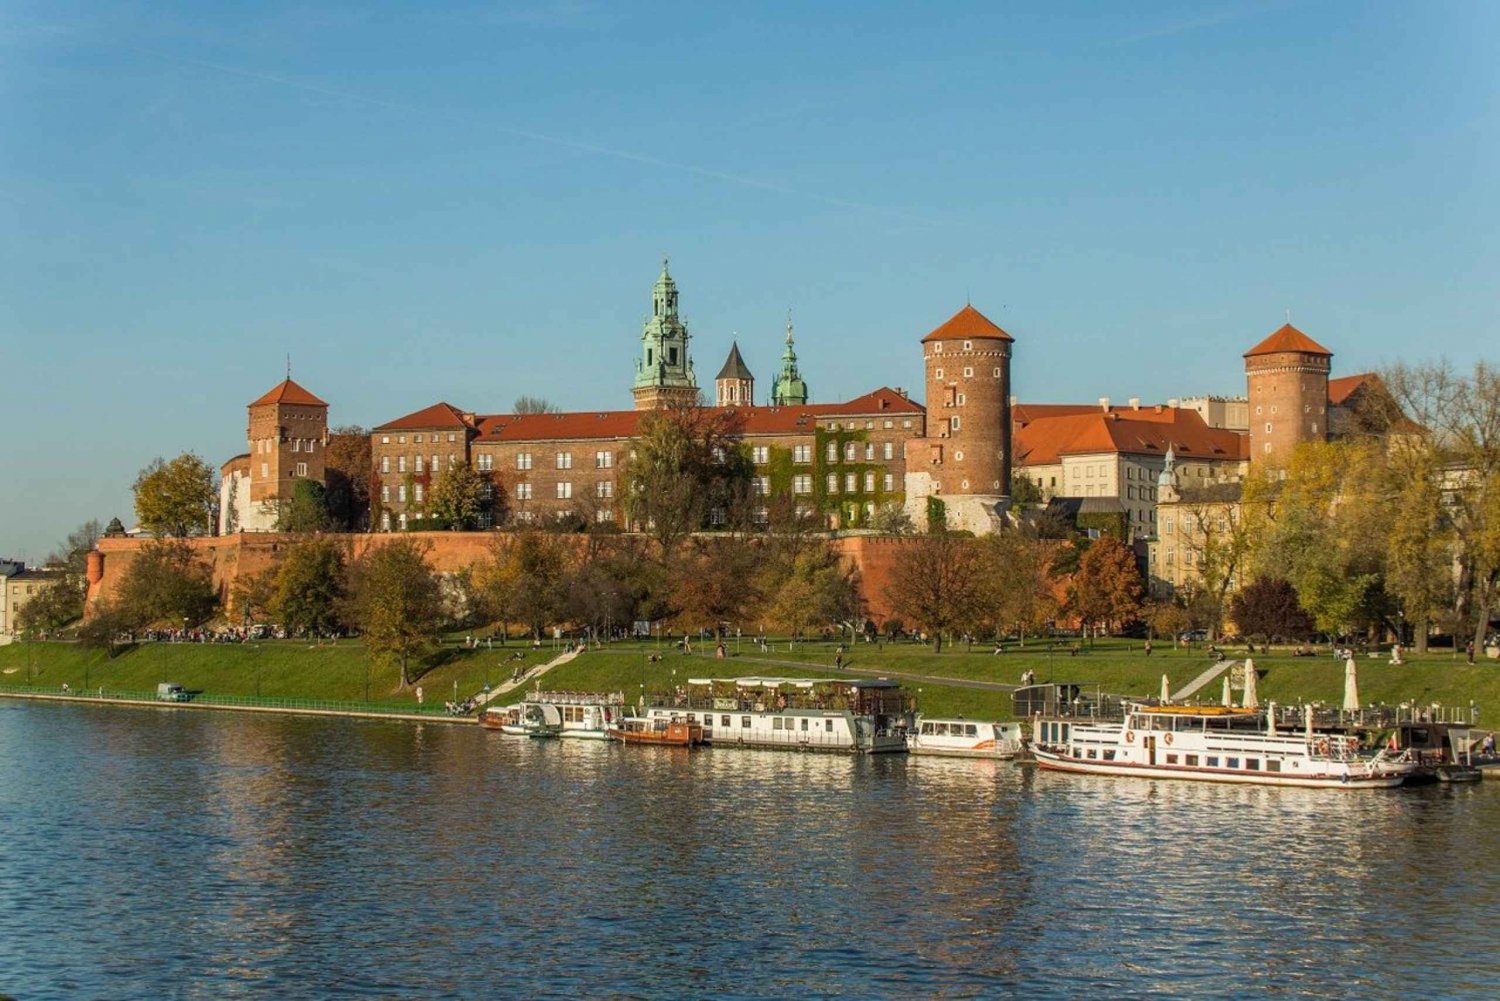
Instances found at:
x=860 y=715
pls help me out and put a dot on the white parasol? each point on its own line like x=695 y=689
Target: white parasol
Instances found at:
x=1228 y=697
x=1166 y=689
x=1250 y=700
x=1351 y=687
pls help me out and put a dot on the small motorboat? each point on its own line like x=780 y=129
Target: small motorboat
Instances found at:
x=664 y=732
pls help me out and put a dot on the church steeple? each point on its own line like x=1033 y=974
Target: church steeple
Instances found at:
x=789 y=390
x=664 y=371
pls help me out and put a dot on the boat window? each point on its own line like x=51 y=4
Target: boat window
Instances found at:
x=927 y=728
x=971 y=730
x=745 y=722
x=776 y=723
x=1231 y=762
x=828 y=725
x=1212 y=761
x=1253 y=764
x=804 y=724
x=723 y=720
x=1093 y=753
x=1171 y=759
x=1191 y=760
x=1273 y=765
x=1109 y=755
x=942 y=729
x=692 y=717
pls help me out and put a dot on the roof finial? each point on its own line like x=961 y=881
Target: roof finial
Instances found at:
x=789 y=324
x=289 y=365
x=1289 y=314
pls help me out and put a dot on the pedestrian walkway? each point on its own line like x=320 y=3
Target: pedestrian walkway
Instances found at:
x=531 y=675
x=855 y=672
x=1193 y=687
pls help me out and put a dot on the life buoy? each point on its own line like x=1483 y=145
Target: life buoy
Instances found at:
x=1166 y=738
x=1129 y=736
x=1323 y=747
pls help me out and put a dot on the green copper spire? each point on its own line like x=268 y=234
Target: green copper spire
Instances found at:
x=789 y=390
x=664 y=363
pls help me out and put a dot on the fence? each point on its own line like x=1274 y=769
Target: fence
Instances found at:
x=237 y=701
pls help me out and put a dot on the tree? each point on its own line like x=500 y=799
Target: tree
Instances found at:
x=167 y=583
x=347 y=470
x=535 y=405
x=937 y=584
x=310 y=587
x=72 y=553
x=1018 y=581
x=175 y=498
x=1268 y=609
x=891 y=519
x=686 y=470
x=525 y=580
x=1107 y=587
x=459 y=496
x=1455 y=420
x=1024 y=492
x=396 y=601
x=715 y=580
x=102 y=629
x=305 y=511
x=1215 y=538
x=819 y=590
x=58 y=603
x=1165 y=617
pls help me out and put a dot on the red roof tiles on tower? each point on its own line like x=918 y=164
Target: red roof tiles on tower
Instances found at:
x=1288 y=338
x=1045 y=440
x=439 y=415
x=289 y=392
x=967 y=322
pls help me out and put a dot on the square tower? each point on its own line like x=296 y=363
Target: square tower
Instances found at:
x=288 y=438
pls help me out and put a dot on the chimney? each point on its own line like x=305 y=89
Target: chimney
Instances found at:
x=1104 y=403
x=1135 y=403
x=1014 y=400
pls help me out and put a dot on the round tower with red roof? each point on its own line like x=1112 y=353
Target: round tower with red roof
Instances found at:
x=1287 y=381
x=965 y=458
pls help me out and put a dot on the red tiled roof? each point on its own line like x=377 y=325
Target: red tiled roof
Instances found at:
x=439 y=415
x=1339 y=390
x=1288 y=338
x=967 y=322
x=1022 y=414
x=882 y=402
x=1047 y=439
x=289 y=392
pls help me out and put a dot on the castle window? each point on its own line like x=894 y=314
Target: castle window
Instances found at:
x=604 y=488
x=400 y=439
x=451 y=437
x=385 y=521
x=385 y=494
x=833 y=451
x=523 y=460
x=301 y=469
x=851 y=483
x=403 y=521
x=801 y=453
x=968 y=345
x=486 y=462
x=385 y=464
x=523 y=491
x=869 y=450
x=906 y=423
x=1273 y=408
x=833 y=483
x=890 y=482
x=953 y=423
x=385 y=439
x=888 y=425
x=968 y=372
x=1315 y=427
x=760 y=455
x=802 y=484
x=870 y=483
x=604 y=514
x=1268 y=427
x=962 y=399
x=671 y=356
x=418 y=439
x=401 y=464
x=417 y=493
x=401 y=495
x=564 y=490
x=938 y=375
x=851 y=452
x=997 y=372
x=419 y=464
x=604 y=460
x=887 y=450
x=564 y=461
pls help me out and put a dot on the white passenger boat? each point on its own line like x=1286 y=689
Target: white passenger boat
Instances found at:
x=806 y=714
x=964 y=738
x=1212 y=744
x=577 y=715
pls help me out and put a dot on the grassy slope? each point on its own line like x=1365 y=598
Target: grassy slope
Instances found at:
x=338 y=671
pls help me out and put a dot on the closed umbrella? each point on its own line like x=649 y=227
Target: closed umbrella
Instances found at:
x=1271 y=720
x=1351 y=687
x=1250 y=701
x=1228 y=698
x=1166 y=689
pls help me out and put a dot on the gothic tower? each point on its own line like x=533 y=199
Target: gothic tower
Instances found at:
x=734 y=386
x=964 y=459
x=1287 y=380
x=287 y=436
x=790 y=390
x=664 y=372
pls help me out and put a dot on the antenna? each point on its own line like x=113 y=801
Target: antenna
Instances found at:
x=1289 y=314
x=288 y=364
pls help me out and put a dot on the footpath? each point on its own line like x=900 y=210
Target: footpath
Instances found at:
x=856 y=672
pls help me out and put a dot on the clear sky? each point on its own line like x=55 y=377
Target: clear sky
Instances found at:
x=470 y=201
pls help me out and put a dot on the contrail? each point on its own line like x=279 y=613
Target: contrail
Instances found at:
x=593 y=149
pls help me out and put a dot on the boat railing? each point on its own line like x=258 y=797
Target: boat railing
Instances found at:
x=578 y=698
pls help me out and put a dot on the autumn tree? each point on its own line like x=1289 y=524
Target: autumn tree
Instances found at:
x=305 y=511
x=1018 y=581
x=818 y=590
x=175 y=498
x=396 y=601
x=1107 y=587
x=309 y=587
x=347 y=472
x=685 y=471
x=1164 y=617
x=891 y=519
x=459 y=496
x=1215 y=539
x=937 y=584
x=717 y=580
x=60 y=601
x=525 y=579
x=166 y=583
x=1268 y=609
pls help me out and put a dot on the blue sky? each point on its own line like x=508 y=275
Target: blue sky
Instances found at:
x=470 y=202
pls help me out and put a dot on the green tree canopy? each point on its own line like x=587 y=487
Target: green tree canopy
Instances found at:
x=167 y=583
x=306 y=510
x=459 y=496
x=395 y=599
x=175 y=498
x=310 y=586
x=686 y=466
x=347 y=471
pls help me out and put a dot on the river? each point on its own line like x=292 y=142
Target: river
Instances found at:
x=181 y=853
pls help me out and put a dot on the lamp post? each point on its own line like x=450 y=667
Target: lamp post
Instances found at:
x=367 y=679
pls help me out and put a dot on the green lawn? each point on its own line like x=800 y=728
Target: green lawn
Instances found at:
x=339 y=671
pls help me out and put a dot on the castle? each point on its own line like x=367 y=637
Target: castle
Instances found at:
x=948 y=457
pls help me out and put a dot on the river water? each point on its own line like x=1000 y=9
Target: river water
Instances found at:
x=162 y=853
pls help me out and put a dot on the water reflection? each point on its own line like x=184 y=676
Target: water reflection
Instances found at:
x=220 y=854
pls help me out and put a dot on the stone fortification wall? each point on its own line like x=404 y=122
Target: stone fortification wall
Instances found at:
x=250 y=553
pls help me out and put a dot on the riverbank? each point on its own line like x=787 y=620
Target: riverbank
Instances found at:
x=974 y=683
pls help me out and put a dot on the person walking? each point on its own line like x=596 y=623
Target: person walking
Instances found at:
x=1469 y=651
x=1148 y=648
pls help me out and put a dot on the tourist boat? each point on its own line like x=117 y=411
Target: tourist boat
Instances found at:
x=1439 y=751
x=1213 y=744
x=573 y=715
x=666 y=732
x=869 y=716
x=506 y=719
x=964 y=738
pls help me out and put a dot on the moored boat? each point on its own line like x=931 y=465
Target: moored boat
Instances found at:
x=1211 y=744
x=664 y=732
x=574 y=715
x=963 y=738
